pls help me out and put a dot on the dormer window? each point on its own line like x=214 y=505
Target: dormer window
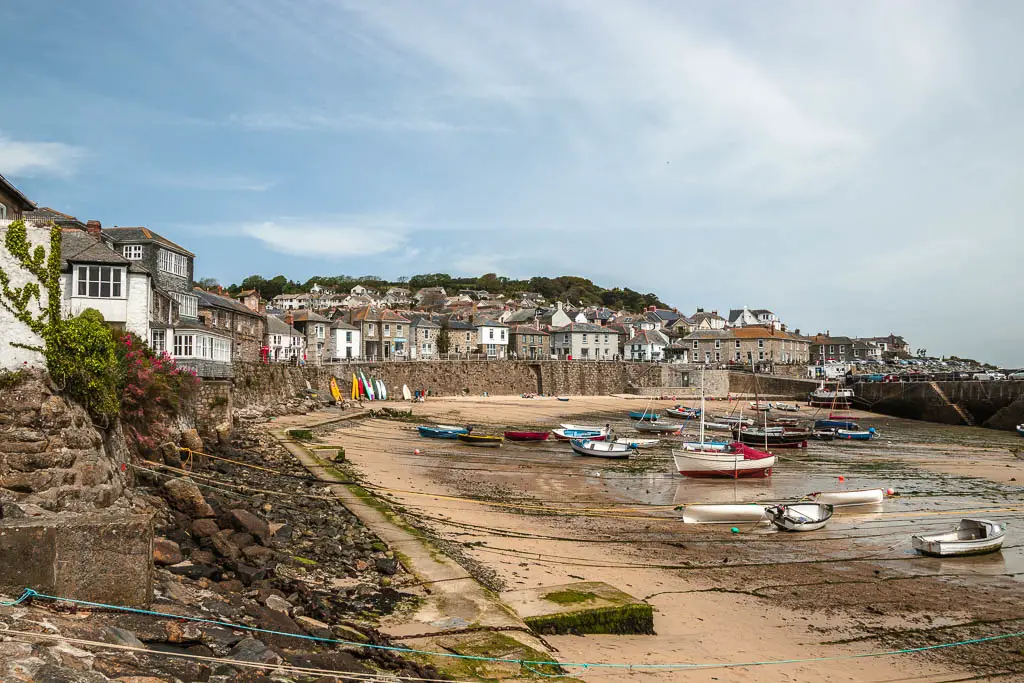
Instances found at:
x=132 y=252
x=172 y=263
x=100 y=282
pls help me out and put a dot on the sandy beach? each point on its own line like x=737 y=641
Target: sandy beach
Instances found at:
x=534 y=515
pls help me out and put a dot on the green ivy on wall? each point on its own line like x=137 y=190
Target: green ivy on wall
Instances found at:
x=44 y=266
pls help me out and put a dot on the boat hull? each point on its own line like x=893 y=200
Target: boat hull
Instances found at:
x=570 y=434
x=718 y=464
x=723 y=514
x=480 y=440
x=527 y=436
x=844 y=498
x=836 y=424
x=971 y=537
x=440 y=433
x=637 y=443
x=800 y=516
x=847 y=435
x=600 y=449
x=650 y=417
x=657 y=427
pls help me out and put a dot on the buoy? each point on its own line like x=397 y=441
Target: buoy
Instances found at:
x=734 y=530
x=842 y=478
x=890 y=491
x=416 y=452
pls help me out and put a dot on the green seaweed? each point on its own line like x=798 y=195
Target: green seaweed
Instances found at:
x=622 y=620
x=569 y=597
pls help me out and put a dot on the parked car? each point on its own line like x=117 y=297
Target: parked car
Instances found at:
x=1015 y=375
x=992 y=375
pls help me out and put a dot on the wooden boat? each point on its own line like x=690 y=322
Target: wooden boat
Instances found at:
x=739 y=461
x=527 y=436
x=683 y=413
x=773 y=436
x=789 y=407
x=657 y=427
x=637 y=443
x=970 y=537
x=799 y=516
x=842 y=398
x=440 y=431
x=844 y=498
x=480 y=440
x=561 y=398
x=570 y=434
x=741 y=513
x=863 y=435
x=835 y=424
x=762 y=406
x=600 y=449
x=637 y=415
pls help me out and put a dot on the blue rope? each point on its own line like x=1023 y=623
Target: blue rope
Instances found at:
x=527 y=663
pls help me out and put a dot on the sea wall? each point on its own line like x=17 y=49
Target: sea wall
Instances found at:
x=998 y=405
x=770 y=386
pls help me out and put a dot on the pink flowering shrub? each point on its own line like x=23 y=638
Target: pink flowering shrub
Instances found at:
x=154 y=391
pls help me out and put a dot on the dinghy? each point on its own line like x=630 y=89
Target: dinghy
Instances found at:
x=637 y=443
x=723 y=513
x=561 y=398
x=799 y=516
x=570 y=434
x=480 y=440
x=970 y=537
x=1020 y=429
x=739 y=461
x=601 y=449
x=527 y=436
x=824 y=434
x=637 y=415
x=586 y=428
x=843 y=498
x=734 y=421
x=863 y=435
x=657 y=427
x=440 y=431
x=718 y=426
x=841 y=398
x=777 y=437
x=684 y=413
x=789 y=407
x=835 y=424
x=762 y=406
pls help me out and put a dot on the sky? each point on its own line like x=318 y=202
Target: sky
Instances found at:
x=853 y=166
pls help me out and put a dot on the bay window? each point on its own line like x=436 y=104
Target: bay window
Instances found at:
x=100 y=282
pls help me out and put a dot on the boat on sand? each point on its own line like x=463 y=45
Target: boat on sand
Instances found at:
x=527 y=436
x=601 y=449
x=725 y=513
x=799 y=516
x=969 y=537
x=843 y=498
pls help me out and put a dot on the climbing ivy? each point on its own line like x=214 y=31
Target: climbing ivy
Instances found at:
x=44 y=266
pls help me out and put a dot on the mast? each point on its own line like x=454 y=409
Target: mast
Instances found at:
x=702 y=408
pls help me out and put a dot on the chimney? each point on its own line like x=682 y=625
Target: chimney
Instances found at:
x=290 y=319
x=652 y=309
x=94 y=228
x=714 y=312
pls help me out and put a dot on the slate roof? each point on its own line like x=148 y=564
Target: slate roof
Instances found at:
x=45 y=214
x=134 y=235
x=304 y=315
x=522 y=315
x=709 y=334
x=342 y=325
x=211 y=300
x=277 y=326
x=484 y=322
x=648 y=337
x=526 y=329
x=459 y=325
x=663 y=314
x=26 y=203
x=585 y=327
x=77 y=246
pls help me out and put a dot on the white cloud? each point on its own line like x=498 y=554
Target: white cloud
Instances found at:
x=316 y=120
x=213 y=182
x=345 y=237
x=31 y=159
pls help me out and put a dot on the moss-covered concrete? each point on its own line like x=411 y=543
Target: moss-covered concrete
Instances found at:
x=585 y=607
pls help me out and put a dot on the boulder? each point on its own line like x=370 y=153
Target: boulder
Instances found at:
x=221 y=542
x=204 y=528
x=252 y=650
x=258 y=554
x=250 y=523
x=190 y=439
x=387 y=566
x=185 y=496
x=166 y=551
x=278 y=603
x=249 y=575
x=314 y=627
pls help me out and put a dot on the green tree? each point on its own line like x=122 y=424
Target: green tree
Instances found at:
x=443 y=340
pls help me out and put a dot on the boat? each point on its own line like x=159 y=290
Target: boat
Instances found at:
x=637 y=415
x=657 y=427
x=561 y=398
x=600 y=449
x=799 y=516
x=355 y=387
x=1020 y=429
x=832 y=398
x=789 y=407
x=480 y=440
x=970 y=537
x=570 y=434
x=734 y=421
x=586 y=428
x=823 y=434
x=725 y=513
x=739 y=461
x=760 y=405
x=835 y=424
x=706 y=445
x=440 y=431
x=718 y=426
x=637 y=443
x=844 y=498
x=527 y=436
x=683 y=412
x=859 y=435
x=406 y=394
x=778 y=437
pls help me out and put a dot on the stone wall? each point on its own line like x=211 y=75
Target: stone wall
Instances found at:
x=770 y=386
x=213 y=406
x=999 y=405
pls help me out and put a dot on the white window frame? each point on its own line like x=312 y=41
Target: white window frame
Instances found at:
x=173 y=263
x=132 y=252
x=760 y=343
x=188 y=304
x=184 y=345
x=3 y=212
x=158 y=340
x=90 y=281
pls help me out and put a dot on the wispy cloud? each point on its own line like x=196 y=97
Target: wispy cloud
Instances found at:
x=212 y=182
x=31 y=159
x=315 y=120
x=338 y=237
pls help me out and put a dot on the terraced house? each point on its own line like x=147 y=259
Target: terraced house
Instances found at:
x=529 y=343
x=583 y=341
x=247 y=328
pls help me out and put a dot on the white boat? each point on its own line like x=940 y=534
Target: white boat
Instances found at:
x=754 y=405
x=842 y=498
x=601 y=449
x=787 y=406
x=718 y=426
x=733 y=420
x=970 y=537
x=719 y=446
x=739 y=513
x=637 y=443
x=831 y=397
x=683 y=412
x=697 y=463
x=657 y=427
x=799 y=516
x=586 y=428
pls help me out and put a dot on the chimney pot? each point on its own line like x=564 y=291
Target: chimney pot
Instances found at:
x=94 y=227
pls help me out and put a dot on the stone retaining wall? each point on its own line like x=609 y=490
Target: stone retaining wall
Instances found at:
x=997 y=404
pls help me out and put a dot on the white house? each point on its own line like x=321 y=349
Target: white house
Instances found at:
x=345 y=341
x=583 y=341
x=492 y=338
x=646 y=345
x=286 y=343
x=762 y=317
x=285 y=302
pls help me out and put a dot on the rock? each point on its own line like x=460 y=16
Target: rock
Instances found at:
x=249 y=575
x=71 y=657
x=258 y=554
x=272 y=620
x=282 y=532
x=185 y=496
x=139 y=679
x=250 y=523
x=242 y=539
x=179 y=632
x=387 y=566
x=230 y=586
x=314 y=627
x=121 y=636
x=12 y=649
x=195 y=571
x=252 y=650
x=331 y=661
x=275 y=602
x=347 y=633
x=202 y=557
x=362 y=565
x=223 y=432
x=190 y=439
x=176 y=592
x=166 y=552
x=204 y=528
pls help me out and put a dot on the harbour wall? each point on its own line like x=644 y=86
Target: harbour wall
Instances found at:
x=993 y=404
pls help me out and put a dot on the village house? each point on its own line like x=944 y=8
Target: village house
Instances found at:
x=395 y=333
x=492 y=338
x=660 y=317
x=598 y=315
x=397 y=297
x=430 y=298
x=12 y=202
x=828 y=349
x=708 y=346
x=314 y=327
x=707 y=321
x=285 y=344
x=367 y=319
x=761 y=317
x=251 y=299
x=345 y=342
x=247 y=328
x=555 y=317
x=753 y=344
x=583 y=341
x=646 y=345
x=423 y=344
x=892 y=345
x=462 y=336
x=519 y=317
x=284 y=302
x=529 y=343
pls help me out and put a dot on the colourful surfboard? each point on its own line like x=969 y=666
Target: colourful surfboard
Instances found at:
x=335 y=391
x=355 y=387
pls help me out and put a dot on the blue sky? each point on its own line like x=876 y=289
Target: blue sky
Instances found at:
x=853 y=166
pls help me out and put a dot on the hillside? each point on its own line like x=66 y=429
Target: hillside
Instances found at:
x=569 y=288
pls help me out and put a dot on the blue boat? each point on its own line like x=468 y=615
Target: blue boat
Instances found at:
x=856 y=435
x=836 y=424
x=441 y=432
x=636 y=415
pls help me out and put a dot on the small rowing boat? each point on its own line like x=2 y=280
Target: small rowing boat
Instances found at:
x=600 y=449
x=1020 y=429
x=561 y=398
x=527 y=436
x=586 y=428
x=800 y=516
x=970 y=537
x=824 y=434
x=683 y=412
x=835 y=424
x=637 y=443
x=773 y=436
x=440 y=431
x=844 y=498
x=862 y=435
x=657 y=427
x=637 y=415
x=570 y=434
x=762 y=406
x=734 y=421
x=480 y=440
x=789 y=407
x=725 y=513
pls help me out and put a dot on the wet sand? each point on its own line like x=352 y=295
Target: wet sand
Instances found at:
x=852 y=588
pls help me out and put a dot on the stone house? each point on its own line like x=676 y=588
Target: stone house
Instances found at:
x=583 y=341
x=367 y=319
x=492 y=338
x=646 y=345
x=12 y=202
x=314 y=327
x=529 y=343
x=247 y=328
x=462 y=336
x=423 y=338
x=892 y=345
x=707 y=321
x=345 y=342
x=825 y=348
x=555 y=317
x=251 y=299
x=754 y=344
x=394 y=334
x=661 y=317
x=708 y=346
x=285 y=343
